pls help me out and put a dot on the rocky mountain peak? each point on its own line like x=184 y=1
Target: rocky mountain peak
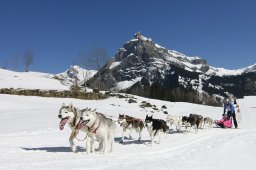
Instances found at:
x=143 y=50
x=143 y=67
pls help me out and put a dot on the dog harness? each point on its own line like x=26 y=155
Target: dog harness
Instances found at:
x=91 y=128
x=95 y=130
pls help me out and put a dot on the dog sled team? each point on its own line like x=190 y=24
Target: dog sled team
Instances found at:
x=97 y=126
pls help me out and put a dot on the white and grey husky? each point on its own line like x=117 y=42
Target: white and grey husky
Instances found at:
x=174 y=120
x=100 y=126
x=208 y=121
x=70 y=114
x=130 y=123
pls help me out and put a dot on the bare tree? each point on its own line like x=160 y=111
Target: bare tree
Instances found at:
x=99 y=57
x=28 y=59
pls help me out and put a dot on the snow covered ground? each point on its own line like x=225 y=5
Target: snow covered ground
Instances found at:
x=30 y=138
x=29 y=80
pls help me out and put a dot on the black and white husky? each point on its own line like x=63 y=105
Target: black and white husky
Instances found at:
x=100 y=126
x=155 y=126
x=70 y=114
x=130 y=123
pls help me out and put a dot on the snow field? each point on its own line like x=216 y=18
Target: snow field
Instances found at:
x=30 y=137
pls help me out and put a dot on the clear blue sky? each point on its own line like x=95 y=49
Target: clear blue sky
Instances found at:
x=221 y=31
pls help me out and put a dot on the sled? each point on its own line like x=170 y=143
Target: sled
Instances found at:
x=225 y=122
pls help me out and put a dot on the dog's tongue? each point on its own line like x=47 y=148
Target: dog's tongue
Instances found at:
x=80 y=125
x=62 y=123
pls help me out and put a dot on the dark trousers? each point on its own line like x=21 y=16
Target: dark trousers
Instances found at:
x=233 y=115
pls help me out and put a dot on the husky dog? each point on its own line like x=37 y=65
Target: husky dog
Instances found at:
x=174 y=120
x=192 y=120
x=100 y=126
x=209 y=121
x=200 y=118
x=154 y=126
x=130 y=123
x=70 y=114
x=185 y=122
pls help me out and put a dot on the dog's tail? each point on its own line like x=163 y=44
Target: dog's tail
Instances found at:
x=112 y=130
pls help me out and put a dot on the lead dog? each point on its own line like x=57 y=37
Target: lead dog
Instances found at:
x=154 y=126
x=70 y=114
x=100 y=126
x=131 y=123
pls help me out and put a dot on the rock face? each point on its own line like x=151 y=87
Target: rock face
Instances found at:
x=144 y=68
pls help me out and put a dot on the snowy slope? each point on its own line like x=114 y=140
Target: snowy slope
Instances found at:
x=44 y=81
x=31 y=139
x=29 y=80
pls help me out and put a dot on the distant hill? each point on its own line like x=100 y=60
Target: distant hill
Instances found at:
x=44 y=81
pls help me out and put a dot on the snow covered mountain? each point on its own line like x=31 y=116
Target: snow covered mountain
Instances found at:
x=144 y=68
x=75 y=73
x=226 y=72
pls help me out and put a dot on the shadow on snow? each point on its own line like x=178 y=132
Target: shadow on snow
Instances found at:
x=53 y=149
x=128 y=141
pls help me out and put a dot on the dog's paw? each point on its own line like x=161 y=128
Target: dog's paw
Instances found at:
x=74 y=149
x=102 y=152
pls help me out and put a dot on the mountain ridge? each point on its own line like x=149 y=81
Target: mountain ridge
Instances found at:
x=145 y=68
